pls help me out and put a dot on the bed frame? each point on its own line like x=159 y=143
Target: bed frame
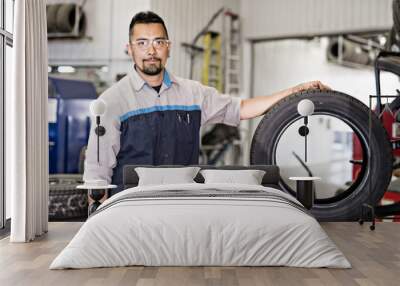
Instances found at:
x=270 y=179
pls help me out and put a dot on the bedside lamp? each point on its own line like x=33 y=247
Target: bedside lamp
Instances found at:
x=305 y=185
x=305 y=108
x=97 y=188
x=97 y=108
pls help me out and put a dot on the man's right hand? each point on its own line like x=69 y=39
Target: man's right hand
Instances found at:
x=316 y=84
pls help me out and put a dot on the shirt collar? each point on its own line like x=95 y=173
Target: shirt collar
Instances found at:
x=139 y=82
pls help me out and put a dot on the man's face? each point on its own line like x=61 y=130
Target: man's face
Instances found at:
x=149 y=48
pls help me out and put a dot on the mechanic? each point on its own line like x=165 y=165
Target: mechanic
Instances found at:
x=154 y=117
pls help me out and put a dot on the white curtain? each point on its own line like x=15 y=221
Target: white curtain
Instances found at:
x=26 y=123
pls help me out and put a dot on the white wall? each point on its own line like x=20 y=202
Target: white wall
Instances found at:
x=286 y=63
x=276 y=18
x=107 y=26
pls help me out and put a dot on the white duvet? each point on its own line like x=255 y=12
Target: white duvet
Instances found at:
x=207 y=230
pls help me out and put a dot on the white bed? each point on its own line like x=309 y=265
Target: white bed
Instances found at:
x=203 y=225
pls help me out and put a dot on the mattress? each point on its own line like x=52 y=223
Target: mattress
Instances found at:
x=201 y=225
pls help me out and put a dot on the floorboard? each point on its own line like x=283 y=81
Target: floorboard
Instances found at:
x=374 y=255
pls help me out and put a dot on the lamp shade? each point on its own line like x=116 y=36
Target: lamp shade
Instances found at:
x=98 y=107
x=305 y=107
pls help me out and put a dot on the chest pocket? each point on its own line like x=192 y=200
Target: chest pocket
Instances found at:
x=185 y=129
x=137 y=138
x=187 y=126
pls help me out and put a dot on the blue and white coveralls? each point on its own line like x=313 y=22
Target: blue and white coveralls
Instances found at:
x=144 y=127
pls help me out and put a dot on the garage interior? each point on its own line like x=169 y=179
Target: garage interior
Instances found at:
x=349 y=141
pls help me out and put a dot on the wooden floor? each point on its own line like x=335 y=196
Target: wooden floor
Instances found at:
x=374 y=255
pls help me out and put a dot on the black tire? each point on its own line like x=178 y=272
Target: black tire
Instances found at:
x=66 y=202
x=52 y=17
x=346 y=206
x=66 y=16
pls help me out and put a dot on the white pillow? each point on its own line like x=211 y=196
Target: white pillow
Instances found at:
x=163 y=176
x=248 y=177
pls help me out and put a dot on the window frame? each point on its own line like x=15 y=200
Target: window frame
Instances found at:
x=6 y=39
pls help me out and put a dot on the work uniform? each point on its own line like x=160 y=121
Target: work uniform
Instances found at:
x=146 y=127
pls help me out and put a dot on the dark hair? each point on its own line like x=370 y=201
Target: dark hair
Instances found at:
x=146 y=18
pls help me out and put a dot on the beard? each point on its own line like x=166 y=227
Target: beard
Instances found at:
x=152 y=68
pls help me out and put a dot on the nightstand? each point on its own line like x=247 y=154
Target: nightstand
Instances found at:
x=304 y=190
x=97 y=194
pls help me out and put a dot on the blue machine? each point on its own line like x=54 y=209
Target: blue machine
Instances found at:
x=69 y=122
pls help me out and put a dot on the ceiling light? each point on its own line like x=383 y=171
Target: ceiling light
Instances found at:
x=66 y=69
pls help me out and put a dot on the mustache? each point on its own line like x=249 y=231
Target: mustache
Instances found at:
x=152 y=59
